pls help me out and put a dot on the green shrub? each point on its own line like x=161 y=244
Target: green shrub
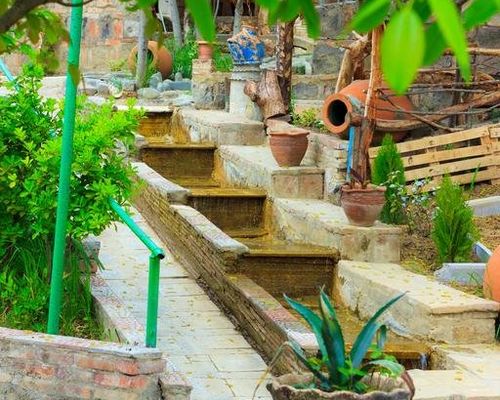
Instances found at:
x=453 y=229
x=338 y=369
x=30 y=151
x=388 y=170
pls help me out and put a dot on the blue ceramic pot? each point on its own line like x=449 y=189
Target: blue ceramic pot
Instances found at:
x=246 y=47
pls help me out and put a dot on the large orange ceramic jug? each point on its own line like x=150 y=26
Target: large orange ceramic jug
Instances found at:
x=491 y=284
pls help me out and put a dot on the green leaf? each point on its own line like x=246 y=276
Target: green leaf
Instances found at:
x=402 y=49
x=299 y=353
x=312 y=319
x=365 y=337
x=334 y=343
x=312 y=19
x=421 y=7
x=480 y=12
x=394 y=368
x=448 y=20
x=370 y=15
x=201 y=11
x=326 y=300
x=435 y=44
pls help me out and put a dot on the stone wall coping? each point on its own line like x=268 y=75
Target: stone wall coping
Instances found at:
x=210 y=232
x=77 y=344
x=329 y=216
x=174 y=193
x=218 y=118
x=433 y=296
x=148 y=108
x=262 y=158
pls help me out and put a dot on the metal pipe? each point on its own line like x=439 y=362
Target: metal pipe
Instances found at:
x=65 y=169
x=153 y=274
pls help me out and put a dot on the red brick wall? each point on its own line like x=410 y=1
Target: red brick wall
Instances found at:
x=39 y=366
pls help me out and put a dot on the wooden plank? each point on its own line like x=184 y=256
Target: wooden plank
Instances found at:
x=446 y=155
x=449 y=168
x=434 y=141
x=462 y=179
x=495 y=131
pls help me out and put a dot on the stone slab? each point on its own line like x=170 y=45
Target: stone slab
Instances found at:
x=322 y=223
x=255 y=166
x=173 y=192
x=453 y=385
x=429 y=311
x=471 y=274
x=221 y=128
x=485 y=207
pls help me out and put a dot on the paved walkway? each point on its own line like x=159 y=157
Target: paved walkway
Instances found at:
x=193 y=333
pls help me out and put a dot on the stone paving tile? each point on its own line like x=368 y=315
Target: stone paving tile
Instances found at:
x=193 y=333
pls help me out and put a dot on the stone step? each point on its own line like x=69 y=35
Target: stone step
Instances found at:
x=255 y=166
x=324 y=224
x=219 y=127
x=429 y=311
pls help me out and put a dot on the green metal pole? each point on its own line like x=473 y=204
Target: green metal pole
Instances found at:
x=65 y=169
x=153 y=293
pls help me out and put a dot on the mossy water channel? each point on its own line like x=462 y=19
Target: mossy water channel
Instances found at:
x=273 y=263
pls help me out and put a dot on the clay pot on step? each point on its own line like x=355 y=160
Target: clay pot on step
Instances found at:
x=205 y=50
x=285 y=388
x=288 y=147
x=160 y=57
x=338 y=106
x=362 y=206
x=491 y=283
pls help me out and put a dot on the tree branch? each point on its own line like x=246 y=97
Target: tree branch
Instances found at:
x=17 y=11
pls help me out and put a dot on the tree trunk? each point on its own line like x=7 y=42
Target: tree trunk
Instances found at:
x=352 y=62
x=361 y=161
x=284 y=55
x=176 y=22
x=238 y=13
x=262 y=18
x=142 y=52
x=267 y=95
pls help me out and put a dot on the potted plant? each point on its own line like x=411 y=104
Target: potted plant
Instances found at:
x=205 y=50
x=338 y=374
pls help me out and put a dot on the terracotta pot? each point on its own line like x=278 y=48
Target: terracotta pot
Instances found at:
x=491 y=283
x=289 y=147
x=205 y=50
x=160 y=58
x=282 y=388
x=363 y=206
x=338 y=106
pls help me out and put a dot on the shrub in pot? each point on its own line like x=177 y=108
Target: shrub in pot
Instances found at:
x=338 y=374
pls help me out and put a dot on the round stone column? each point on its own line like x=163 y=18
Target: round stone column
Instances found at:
x=239 y=102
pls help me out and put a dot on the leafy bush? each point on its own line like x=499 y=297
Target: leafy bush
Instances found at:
x=30 y=151
x=453 y=230
x=388 y=170
x=307 y=118
x=345 y=371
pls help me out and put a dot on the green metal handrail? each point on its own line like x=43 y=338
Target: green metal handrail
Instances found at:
x=154 y=272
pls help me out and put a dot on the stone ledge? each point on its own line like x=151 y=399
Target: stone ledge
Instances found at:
x=206 y=229
x=429 y=311
x=173 y=192
x=324 y=224
x=220 y=127
x=485 y=207
x=254 y=166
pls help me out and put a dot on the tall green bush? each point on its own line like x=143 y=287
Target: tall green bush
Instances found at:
x=388 y=170
x=453 y=232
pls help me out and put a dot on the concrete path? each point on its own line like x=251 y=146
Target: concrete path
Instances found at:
x=193 y=333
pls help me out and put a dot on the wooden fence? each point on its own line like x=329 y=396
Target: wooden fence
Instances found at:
x=466 y=155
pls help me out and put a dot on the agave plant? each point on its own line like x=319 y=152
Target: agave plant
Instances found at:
x=338 y=369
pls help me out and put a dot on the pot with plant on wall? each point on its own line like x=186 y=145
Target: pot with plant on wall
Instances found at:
x=342 y=375
x=205 y=50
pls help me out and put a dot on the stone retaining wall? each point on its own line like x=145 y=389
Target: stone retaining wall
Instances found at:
x=37 y=366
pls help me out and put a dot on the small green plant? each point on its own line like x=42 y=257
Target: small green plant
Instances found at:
x=337 y=369
x=118 y=65
x=388 y=170
x=454 y=232
x=307 y=118
x=223 y=62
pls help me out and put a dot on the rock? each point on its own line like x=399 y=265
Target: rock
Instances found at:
x=128 y=85
x=169 y=94
x=180 y=85
x=165 y=85
x=89 y=91
x=327 y=58
x=183 y=101
x=335 y=17
x=103 y=89
x=178 y=76
x=148 y=93
x=307 y=68
x=155 y=80
x=209 y=95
